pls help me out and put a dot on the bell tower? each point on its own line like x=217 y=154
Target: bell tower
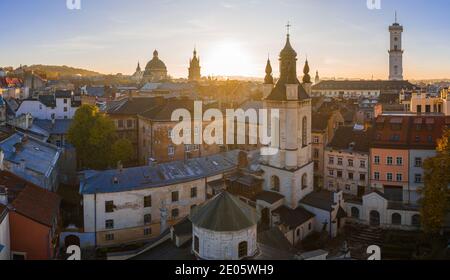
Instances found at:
x=396 y=52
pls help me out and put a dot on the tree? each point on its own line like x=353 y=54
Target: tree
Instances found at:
x=92 y=134
x=122 y=150
x=435 y=201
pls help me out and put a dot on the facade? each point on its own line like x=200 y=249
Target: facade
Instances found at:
x=155 y=70
x=194 y=68
x=33 y=160
x=396 y=52
x=34 y=224
x=133 y=204
x=423 y=103
x=60 y=105
x=324 y=126
x=5 y=245
x=347 y=162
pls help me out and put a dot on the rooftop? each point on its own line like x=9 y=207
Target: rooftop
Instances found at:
x=321 y=199
x=363 y=85
x=38 y=204
x=224 y=213
x=38 y=156
x=293 y=218
x=346 y=138
x=111 y=181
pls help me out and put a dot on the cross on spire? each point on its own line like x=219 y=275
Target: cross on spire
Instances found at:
x=396 y=17
x=288 y=27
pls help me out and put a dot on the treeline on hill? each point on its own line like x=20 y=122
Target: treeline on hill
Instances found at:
x=52 y=72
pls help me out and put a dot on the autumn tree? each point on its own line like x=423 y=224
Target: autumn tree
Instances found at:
x=92 y=134
x=435 y=201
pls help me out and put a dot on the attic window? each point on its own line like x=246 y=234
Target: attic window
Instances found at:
x=115 y=180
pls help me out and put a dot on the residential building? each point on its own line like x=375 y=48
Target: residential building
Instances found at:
x=61 y=105
x=31 y=159
x=34 y=224
x=138 y=204
x=347 y=161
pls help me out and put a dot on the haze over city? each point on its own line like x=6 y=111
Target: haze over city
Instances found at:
x=233 y=38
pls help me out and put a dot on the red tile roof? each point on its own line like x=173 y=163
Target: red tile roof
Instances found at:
x=37 y=204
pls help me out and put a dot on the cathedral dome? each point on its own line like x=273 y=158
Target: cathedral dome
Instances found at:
x=155 y=70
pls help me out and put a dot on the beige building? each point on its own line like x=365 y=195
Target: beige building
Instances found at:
x=122 y=206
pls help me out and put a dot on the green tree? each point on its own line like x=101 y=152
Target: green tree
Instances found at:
x=435 y=201
x=92 y=133
x=122 y=150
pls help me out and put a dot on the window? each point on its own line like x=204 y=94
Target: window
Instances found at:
x=331 y=160
x=120 y=123
x=147 y=219
x=350 y=175
x=169 y=133
x=316 y=139
x=65 y=101
x=243 y=249
x=65 y=109
x=376 y=160
x=418 y=162
x=396 y=219
x=347 y=187
x=340 y=161
x=309 y=226
x=275 y=183
x=399 y=161
x=362 y=164
x=389 y=161
x=399 y=177
x=129 y=123
x=194 y=192
x=304 y=181
x=415 y=220
x=305 y=132
x=298 y=232
x=109 y=206
x=376 y=176
x=316 y=153
x=362 y=177
x=147 y=201
x=331 y=172
x=196 y=244
x=418 y=178
x=389 y=177
x=109 y=224
x=350 y=162
x=355 y=213
x=175 y=196
x=147 y=231
x=175 y=213
x=109 y=237
x=171 y=150
x=339 y=174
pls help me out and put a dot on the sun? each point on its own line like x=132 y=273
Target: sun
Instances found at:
x=227 y=58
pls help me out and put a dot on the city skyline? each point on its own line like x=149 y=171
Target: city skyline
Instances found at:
x=356 y=46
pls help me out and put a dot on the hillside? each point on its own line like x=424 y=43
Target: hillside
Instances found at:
x=51 y=71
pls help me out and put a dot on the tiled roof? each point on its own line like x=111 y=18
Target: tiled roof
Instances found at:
x=293 y=218
x=38 y=204
x=270 y=197
x=161 y=175
x=224 y=213
x=322 y=199
x=320 y=121
x=133 y=106
x=279 y=92
x=346 y=138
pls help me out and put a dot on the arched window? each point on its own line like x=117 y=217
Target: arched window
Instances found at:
x=243 y=248
x=275 y=181
x=304 y=181
x=415 y=220
x=355 y=213
x=396 y=219
x=374 y=218
x=305 y=132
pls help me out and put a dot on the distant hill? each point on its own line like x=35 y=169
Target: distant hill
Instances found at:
x=51 y=71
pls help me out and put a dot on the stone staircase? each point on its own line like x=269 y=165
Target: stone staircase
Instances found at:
x=359 y=237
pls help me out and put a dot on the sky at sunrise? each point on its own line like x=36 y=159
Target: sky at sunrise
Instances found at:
x=341 y=38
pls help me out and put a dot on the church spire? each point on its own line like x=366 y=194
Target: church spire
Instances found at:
x=306 y=77
x=269 y=78
x=138 y=69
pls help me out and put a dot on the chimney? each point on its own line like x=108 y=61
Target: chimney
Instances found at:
x=120 y=166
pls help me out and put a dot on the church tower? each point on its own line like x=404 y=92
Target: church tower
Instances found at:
x=317 y=78
x=396 y=52
x=268 y=80
x=290 y=171
x=194 y=68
